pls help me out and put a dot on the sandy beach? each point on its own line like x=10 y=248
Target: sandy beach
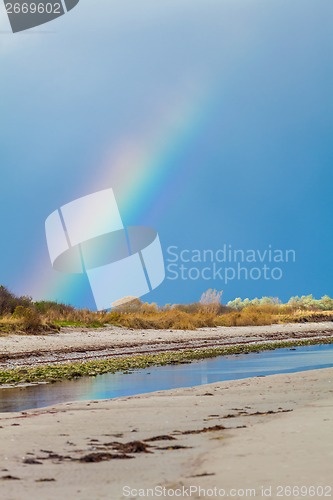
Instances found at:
x=258 y=437
x=270 y=432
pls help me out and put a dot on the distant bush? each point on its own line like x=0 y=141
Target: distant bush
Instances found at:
x=172 y=319
x=67 y=315
x=20 y=314
x=49 y=307
x=309 y=302
x=247 y=316
x=8 y=301
x=29 y=318
x=25 y=320
x=239 y=304
x=211 y=300
x=132 y=305
x=192 y=308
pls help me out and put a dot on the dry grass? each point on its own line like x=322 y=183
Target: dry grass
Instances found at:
x=272 y=314
x=246 y=317
x=25 y=320
x=172 y=319
x=304 y=316
x=196 y=316
x=22 y=315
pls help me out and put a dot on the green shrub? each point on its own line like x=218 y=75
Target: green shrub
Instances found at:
x=8 y=301
x=28 y=317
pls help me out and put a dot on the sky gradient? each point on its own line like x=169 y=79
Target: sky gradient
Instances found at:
x=212 y=121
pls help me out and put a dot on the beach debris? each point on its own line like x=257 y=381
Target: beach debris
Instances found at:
x=92 y=457
x=205 y=429
x=32 y=461
x=131 y=447
x=54 y=456
x=204 y=474
x=161 y=438
x=268 y=412
x=256 y=413
x=101 y=457
x=173 y=447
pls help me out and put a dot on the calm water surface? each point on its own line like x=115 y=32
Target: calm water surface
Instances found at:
x=169 y=377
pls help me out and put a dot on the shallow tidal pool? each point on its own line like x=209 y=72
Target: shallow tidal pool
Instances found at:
x=220 y=368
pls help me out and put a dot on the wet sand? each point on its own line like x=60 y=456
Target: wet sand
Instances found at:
x=253 y=433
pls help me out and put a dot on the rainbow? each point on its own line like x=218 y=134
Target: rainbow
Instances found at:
x=141 y=172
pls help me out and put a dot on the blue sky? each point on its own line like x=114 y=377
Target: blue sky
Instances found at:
x=217 y=115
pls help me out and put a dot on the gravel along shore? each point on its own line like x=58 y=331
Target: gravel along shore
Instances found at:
x=84 y=344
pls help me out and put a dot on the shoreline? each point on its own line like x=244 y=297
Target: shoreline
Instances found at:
x=131 y=350
x=119 y=340
x=249 y=433
x=67 y=371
